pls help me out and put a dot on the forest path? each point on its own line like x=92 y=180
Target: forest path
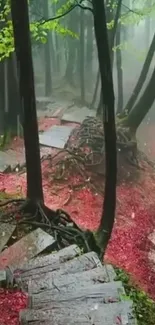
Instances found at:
x=68 y=287
x=55 y=136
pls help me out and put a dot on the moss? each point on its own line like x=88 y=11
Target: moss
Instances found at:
x=144 y=307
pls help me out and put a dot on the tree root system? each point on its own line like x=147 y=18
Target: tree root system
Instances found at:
x=57 y=223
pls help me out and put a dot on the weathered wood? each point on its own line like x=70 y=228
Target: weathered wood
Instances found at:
x=100 y=314
x=71 y=281
x=97 y=292
x=6 y=231
x=82 y=263
x=26 y=248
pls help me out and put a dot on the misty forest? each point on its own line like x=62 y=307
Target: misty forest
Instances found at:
x=77 y=161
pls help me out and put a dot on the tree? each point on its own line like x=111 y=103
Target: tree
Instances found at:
x=119 y=71
x=107 y=220
x=142 y=77
x=12 y=118
x=47 y=52
x=137 y=114
x=112 y=34
x=20 y=20
x=82 y=56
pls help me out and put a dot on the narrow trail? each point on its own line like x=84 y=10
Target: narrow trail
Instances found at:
x=135 y=217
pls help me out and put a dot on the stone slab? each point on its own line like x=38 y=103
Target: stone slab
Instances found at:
x=79 y=264
x=69 y=282
x=25 y=249
x=101 y=292
x=56 y=136
x=82 y=313
x=10 y=160
x=55 y=258
x=6 y=230
x=77 y=114
x=4 y=161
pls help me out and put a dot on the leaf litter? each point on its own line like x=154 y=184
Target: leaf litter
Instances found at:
x=129 y=246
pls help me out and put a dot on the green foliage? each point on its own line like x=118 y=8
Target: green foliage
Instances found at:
x=39 y=30
x=144 y=307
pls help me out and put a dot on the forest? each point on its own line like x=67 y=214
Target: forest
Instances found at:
x=87 y=68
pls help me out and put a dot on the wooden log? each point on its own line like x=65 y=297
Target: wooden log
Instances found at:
x=72 y=281
x=81 y=314
x=97 y=292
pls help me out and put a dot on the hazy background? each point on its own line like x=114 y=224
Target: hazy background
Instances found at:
x=136 y=37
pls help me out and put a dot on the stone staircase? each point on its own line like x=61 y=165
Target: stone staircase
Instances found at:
x=68 y=287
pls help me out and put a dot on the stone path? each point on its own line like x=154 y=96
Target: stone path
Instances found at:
x=64 y=287
x=56 y=136
x=70 y=288
x=78 y=115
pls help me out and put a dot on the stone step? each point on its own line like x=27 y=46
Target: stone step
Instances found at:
x=26 y=248
x=95 y=293
x=82 y=313
x=63 y=283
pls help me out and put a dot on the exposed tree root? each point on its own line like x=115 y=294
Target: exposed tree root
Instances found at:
x=57 y=223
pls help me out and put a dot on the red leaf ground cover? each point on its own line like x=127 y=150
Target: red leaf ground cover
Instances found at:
x=10 y=305
x=135 y=220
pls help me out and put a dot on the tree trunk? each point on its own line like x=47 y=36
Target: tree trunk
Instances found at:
x=89 y=45
x=144 y=104
x=119 y=71
x=20 y=20
x=95 y=93
x=11 y=113
x=47 y=54
x=71 y=51
x=111 y=34
x=108 y=214
x=142 y=77
x=82 y=56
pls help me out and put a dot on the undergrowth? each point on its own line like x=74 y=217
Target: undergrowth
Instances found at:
x=143 y=306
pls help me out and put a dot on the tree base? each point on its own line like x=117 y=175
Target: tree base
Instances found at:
x=57 y=223
x=89 y=143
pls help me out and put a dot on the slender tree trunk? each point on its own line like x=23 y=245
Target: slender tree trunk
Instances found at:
x=111 y=35
x=95 y=92
x=142 y=77
x=119 y=71
x=108 y=214
x=148 y=27
x=144 y=104
x=52 y=52
x=11 y=113
x=72 y=47
x=47 y=55
x=89 y=45
x=82 y=56
x=20 y=20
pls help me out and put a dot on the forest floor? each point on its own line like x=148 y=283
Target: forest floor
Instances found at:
x=129 y=246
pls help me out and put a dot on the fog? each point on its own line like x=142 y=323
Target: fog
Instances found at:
x=63 y=57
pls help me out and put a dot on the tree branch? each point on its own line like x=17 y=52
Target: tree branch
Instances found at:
x=78 y=4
